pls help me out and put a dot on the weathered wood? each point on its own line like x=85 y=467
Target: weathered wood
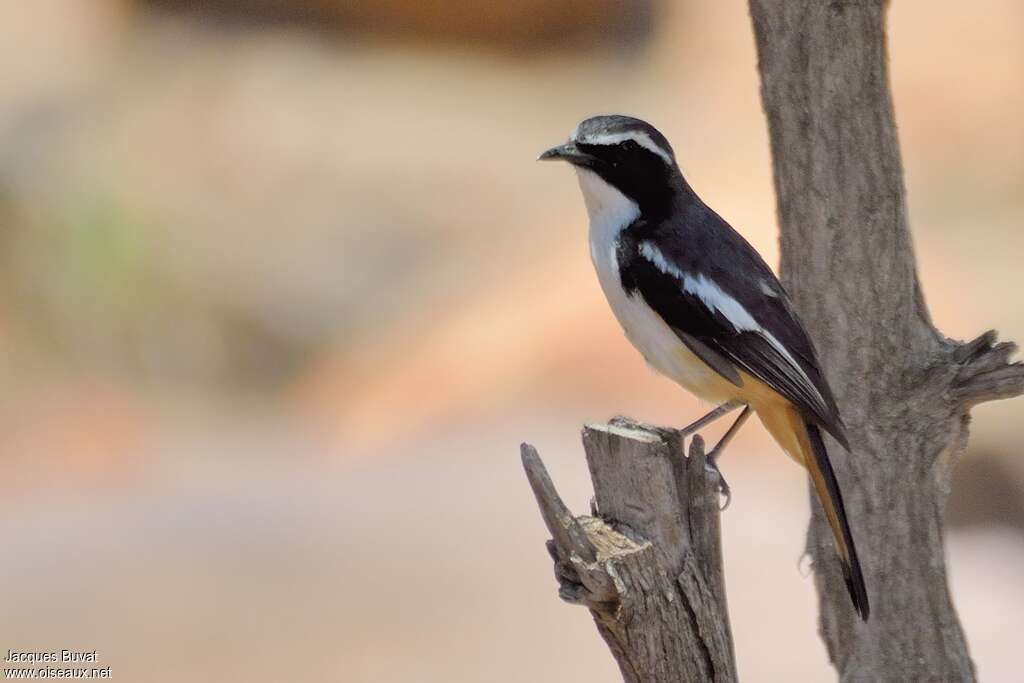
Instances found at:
x=648 y=564
x=904 y=390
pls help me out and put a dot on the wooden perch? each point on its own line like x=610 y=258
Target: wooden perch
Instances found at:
x=648 y=563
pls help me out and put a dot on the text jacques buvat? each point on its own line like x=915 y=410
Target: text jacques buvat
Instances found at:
x=45 y=657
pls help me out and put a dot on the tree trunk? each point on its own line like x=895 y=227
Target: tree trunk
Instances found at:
x=904 y=390
x=648 y=563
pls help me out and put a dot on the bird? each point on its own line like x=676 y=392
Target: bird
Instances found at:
x=704 y=309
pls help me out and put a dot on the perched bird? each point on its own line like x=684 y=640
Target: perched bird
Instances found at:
x=702 y=306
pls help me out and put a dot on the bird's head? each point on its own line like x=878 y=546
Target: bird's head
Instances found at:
x=625 y=153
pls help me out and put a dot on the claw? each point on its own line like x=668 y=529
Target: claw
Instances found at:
x=723 y=487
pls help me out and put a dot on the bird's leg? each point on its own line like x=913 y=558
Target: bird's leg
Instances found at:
x=716 y=453
x=709 y=418
x=718 y=412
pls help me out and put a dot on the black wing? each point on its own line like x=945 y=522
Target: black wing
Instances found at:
x=667 y=274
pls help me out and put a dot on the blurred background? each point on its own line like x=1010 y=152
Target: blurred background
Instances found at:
x=282 y=289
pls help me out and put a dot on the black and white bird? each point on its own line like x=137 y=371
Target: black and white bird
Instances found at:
x=702 y=306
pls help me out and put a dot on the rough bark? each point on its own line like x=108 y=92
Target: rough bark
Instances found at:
x=648 y=562
x=904 y=389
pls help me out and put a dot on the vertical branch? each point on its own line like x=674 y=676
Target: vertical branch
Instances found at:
x=649 y=567
x=903 y=388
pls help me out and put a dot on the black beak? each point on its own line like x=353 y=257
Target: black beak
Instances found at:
x=567 y=152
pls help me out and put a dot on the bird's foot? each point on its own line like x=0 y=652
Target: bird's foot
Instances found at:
x=711 y=465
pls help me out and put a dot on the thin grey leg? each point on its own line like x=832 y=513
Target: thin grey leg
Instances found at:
x=718 y=412
x=716 y=453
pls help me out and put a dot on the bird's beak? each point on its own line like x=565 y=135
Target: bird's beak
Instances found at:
x=567 y=152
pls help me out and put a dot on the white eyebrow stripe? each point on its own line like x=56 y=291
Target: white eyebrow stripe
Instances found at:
x=713 y=296
x=638 y=136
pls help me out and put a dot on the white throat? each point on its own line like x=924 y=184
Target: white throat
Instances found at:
x=609 y=211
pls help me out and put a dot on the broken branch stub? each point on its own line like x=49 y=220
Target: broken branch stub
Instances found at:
x=649 y=565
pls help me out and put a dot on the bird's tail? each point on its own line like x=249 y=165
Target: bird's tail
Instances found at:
x=824 y=479
x=798 y=436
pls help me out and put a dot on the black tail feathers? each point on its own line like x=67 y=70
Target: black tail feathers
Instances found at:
x=840 y=526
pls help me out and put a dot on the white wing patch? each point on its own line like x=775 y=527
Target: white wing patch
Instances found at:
x=768 y=289
x=716 y=298
x=650 y=252
x=704 y=289
x=639 y=137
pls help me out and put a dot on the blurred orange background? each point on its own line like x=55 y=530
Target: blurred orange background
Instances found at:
x=282 y=289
